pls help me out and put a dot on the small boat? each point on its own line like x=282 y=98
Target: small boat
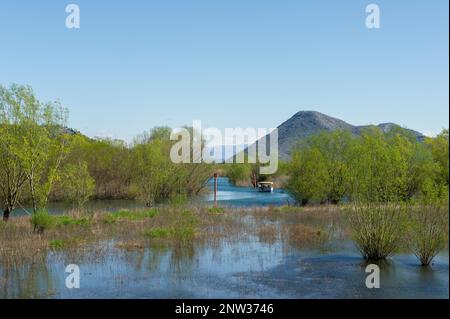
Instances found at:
x=265 y=187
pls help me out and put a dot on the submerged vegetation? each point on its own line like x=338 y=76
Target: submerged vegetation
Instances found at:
x=377 y=229
x=178 y=228
x=392 y=190
x=428 y=231
x=393 y=187
x=380 y=230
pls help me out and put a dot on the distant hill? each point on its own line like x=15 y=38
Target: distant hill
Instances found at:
x=307 y=123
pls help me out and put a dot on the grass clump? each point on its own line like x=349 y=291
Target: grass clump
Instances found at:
x=428 y=231
x=179 y=201
x=156 y=233
x=112 y=218
x=66 y=220
x=41 y=221
x=184 y=226
x=377 y=229
x=305 y=236
x=216 y=210
x=181 y=228
x=56 y=244
x=59 y=244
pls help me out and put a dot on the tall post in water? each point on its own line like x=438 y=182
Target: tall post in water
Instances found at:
x=215 y=189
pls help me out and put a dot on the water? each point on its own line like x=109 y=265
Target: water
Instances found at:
x=242 y=268
x=109 y=205
x=232 y=196
x=228 y=196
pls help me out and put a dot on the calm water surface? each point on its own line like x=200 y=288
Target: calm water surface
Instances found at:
x=247 y=269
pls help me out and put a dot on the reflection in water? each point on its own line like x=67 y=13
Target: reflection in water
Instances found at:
x=26 y=281
x=231 y=270
x=268 y=259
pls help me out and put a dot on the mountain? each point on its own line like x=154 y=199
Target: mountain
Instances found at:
x=307 y=123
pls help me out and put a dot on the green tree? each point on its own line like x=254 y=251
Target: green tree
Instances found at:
x=309 y=176
x=372 y=167
x=434 y=170
x=156 y=176
x=109 y=163
x=34 y=142
x=381 y=167
x=12 y=175
x=152 y=171
x=320 y=167
x=76 y=183
x=238 y=172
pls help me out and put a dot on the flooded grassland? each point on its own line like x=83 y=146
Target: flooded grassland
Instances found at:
x=204 y=252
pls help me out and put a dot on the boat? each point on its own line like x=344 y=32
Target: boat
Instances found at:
x=265 y=187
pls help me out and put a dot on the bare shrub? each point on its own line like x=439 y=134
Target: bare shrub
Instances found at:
x=377 y=229
x=428 y=231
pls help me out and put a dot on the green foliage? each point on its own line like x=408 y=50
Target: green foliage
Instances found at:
x=439 y=147
x=182 y=228
x=320 y=170
x=238 y=172
x=373 y=167
x=112 y=218
x=59 y=244
x=108 y=162
x=41 y=221
x=56 y=244
x=78 y=186
x=157 y=177
x=65 y=220
x=158 y=233
x=178 y=200
x=34 y=143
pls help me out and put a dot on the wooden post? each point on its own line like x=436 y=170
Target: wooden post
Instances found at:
x=215 y=189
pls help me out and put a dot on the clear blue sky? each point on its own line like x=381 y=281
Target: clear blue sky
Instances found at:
x=230 y=63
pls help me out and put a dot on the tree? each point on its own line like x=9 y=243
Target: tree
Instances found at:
x=12 y=176
x=156 y=176
x=373 y=167
x=77 y=184
x=439 y=147
x=34 y=144
x=309 y=178
x=238 y=172
x=320 y=167
x=109 y=163
x=152 y=171
x=381 y=165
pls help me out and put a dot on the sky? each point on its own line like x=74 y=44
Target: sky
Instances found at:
x=133 y=65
